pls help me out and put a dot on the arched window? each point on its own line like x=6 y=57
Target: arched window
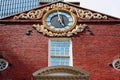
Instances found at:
x=116 y=64
x=3 y=64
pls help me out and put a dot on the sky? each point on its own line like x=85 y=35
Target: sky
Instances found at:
x=109 y=7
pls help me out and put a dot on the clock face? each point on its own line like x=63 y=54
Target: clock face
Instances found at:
x=59 y=21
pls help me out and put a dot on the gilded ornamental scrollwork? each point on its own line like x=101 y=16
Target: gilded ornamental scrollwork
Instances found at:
x=76 y=30
x=80 y=12
x=33 y=14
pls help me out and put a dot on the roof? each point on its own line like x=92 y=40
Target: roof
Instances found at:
x=82 y=14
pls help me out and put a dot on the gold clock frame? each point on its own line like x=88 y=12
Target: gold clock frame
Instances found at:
x=62 y=10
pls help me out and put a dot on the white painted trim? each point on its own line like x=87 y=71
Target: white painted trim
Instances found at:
x=49 y=59
x=71 y=54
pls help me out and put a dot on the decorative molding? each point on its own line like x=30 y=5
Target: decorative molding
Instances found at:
x=87 y=15
x=81 y=13
x=42 y=29
x=50 y=73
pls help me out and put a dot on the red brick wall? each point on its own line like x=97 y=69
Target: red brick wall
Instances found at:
x=95 y=53
x=26 y=53
x=30 y=53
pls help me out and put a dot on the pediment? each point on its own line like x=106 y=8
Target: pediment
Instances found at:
x=62 y=72
x=74 y=20
x=81 y=13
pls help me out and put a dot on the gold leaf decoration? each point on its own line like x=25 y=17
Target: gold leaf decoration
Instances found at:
x=81 y=13
x=42 y=29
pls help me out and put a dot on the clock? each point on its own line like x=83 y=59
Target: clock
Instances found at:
x=59 y=20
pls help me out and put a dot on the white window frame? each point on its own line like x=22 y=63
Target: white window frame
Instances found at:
x=70 y=49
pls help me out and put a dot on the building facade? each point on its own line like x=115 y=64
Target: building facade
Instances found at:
x=59 y=41
x=9 y=7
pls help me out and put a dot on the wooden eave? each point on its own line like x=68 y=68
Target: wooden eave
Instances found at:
x=40 y=21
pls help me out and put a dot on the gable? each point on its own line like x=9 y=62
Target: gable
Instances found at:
x=79 y=16
x=81 y=13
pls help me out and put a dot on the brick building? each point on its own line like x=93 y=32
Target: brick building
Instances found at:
x=60 y=41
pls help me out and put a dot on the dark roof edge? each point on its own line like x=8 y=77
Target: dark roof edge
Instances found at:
x=79 y=21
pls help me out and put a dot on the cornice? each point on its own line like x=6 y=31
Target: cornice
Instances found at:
x=40 y=21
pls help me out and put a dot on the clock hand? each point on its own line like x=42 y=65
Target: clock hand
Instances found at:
x=59 y=19
x=62 y=17
x=61 y=22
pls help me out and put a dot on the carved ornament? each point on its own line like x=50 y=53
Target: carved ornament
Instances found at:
x=42 y=29
x=81 y=13
x=46 y=73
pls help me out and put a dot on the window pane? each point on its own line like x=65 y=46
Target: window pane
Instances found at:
x=59 y=61
x=59 y=51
